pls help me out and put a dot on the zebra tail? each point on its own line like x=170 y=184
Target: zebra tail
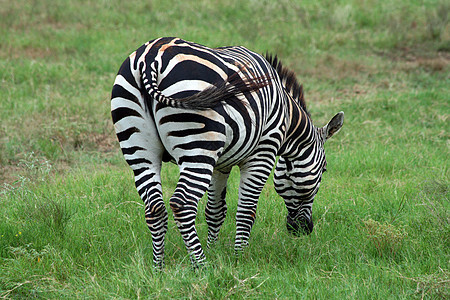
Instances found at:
x=225 y=91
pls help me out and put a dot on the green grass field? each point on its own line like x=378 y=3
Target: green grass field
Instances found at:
x=72 y=224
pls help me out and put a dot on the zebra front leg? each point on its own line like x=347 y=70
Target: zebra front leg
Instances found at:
x=254 y=174
x=192 y=184
x=216 y=207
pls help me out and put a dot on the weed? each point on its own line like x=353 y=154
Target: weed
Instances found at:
x=435 y=285
x=386 y=238
x=435 y=196
x=38 y=169
x=53 y=214
x=28 y=252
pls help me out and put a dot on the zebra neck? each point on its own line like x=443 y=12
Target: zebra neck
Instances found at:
x=300 y=132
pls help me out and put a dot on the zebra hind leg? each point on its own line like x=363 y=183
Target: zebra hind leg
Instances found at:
x=192 y=185
x=155 y=212
x=156 y=218
x=216 y=207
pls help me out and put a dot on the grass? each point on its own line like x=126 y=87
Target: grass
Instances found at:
x=72 y=224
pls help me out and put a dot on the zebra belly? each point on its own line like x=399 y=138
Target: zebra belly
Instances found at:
x=242 y=136
x=204 y=136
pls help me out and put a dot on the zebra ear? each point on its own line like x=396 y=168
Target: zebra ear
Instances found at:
x=333 y=126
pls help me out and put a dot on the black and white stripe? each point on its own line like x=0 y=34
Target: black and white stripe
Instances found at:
x=208 y=110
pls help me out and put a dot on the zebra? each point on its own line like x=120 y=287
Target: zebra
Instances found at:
x=207 y=110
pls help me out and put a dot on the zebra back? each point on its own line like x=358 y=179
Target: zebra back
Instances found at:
x=222 y=91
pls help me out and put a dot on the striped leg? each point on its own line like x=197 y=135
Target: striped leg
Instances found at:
x=145 y=160
x=155 y=213
x=216 y=207
x=254 y=174
x=192 y=184
x=142 y=150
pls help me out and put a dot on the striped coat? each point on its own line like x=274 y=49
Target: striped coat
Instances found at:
x=208 y=110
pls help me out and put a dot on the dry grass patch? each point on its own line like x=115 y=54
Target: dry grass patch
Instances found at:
x=386 y=238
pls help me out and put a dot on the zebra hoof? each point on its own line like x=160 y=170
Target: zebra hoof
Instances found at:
x=299 y=227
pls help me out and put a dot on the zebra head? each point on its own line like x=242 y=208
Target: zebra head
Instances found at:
x=297 y=177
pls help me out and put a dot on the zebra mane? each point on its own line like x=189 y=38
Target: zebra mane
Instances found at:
x=289 y=80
